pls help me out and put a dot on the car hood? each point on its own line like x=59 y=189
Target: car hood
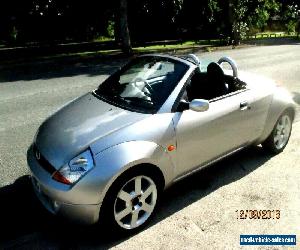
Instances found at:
x=75 y=126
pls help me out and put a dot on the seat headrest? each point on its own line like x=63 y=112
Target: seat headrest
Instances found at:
x=215 y=70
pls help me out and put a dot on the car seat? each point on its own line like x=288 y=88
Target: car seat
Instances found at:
x=216 y=81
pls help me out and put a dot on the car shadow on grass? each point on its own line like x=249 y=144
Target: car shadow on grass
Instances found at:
x=26 y=224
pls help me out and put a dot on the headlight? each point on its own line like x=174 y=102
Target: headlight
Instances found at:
x=77 y=167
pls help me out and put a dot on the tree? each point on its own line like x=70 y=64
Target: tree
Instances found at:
x=237 y=19
x=260 y=12
x=291 y=17
x=53 y=21
x=245 y=13
x=123 y=28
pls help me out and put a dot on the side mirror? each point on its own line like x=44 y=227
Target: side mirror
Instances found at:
x=199 y=105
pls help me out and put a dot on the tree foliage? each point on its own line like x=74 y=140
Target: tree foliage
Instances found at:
x=52 y=21
x=290 y=16
x=261 y=12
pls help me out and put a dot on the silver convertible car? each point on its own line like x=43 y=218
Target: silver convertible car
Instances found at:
x=108 y=155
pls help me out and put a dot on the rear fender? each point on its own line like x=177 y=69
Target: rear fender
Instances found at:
x=282 y=100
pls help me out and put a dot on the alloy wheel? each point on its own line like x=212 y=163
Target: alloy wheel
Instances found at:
x=282 y=131
x=135 y=202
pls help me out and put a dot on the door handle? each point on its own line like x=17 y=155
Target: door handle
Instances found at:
x=244 y=105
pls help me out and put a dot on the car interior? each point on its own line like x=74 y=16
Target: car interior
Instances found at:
x=211 y=84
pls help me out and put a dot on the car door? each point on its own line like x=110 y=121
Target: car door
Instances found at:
x=205 y=136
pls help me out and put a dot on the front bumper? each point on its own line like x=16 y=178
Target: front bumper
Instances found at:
x=82 y=214
x=51 y=196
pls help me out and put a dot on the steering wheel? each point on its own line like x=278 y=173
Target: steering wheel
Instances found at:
x=232 y=64
x=146 y=86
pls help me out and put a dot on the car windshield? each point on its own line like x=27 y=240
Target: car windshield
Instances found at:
x=144 y=84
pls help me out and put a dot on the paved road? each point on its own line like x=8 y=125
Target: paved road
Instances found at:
x=197 y=212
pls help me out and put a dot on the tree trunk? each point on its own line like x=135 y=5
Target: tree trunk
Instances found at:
x=124 y=30
x=232 y=23
x=117 y=28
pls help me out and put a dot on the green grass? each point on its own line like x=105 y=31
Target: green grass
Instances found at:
x=271 y=34
x=183 y=45
x=150 y=48
x=140 y=49
x=169 y=47
x=207 y=45
x=178 y=46
x=103 y=39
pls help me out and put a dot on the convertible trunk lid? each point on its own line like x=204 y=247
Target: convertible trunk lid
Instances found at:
x=257 y=82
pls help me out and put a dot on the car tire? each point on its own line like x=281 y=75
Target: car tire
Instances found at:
x=131 y=202
x=280 y=135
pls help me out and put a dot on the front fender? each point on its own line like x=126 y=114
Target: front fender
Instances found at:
x=114 y=161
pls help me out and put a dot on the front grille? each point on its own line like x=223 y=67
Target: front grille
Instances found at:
x=42 y=160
